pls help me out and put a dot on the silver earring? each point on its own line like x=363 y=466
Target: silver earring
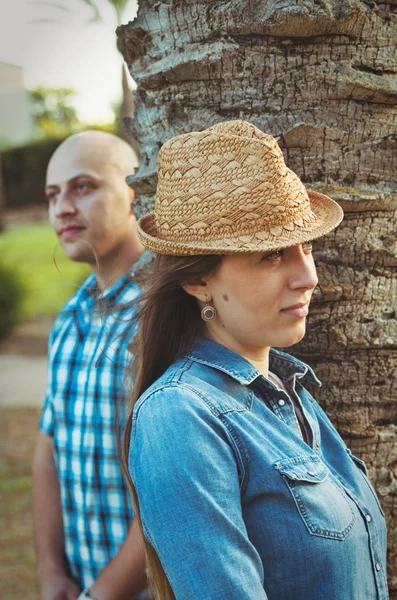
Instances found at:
x=208 y=313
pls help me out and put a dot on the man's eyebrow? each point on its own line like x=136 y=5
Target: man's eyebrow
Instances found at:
x=89 y=175
x=73 y=179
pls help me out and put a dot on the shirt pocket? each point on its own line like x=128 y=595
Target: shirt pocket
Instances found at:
x=362 y=467
x=321 y=501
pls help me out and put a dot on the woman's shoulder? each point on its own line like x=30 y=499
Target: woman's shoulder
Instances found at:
x=187 y=386
x=175 y=386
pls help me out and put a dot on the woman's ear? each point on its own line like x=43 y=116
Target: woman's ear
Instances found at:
x=198 y=290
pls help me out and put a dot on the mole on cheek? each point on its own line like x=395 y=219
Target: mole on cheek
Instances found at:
x=225 y=297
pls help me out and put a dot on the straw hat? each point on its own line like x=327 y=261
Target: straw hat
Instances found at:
x=227 y=190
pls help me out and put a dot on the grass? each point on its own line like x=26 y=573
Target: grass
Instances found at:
x=49 y=277
x=17 y=559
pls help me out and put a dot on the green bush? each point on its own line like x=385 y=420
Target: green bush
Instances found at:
x=48 y=276
x=12 y=293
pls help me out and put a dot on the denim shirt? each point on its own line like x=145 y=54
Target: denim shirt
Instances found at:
x=236 y=504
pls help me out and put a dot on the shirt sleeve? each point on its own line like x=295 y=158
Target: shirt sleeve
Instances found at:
x=47 y=421
x=186 y=469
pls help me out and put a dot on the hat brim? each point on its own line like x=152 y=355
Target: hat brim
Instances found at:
x=327 y=215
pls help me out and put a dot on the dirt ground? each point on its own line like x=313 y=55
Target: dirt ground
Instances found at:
x=23 y=364
x=18 y=428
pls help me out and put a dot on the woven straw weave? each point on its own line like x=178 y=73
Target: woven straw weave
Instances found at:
x=227 y=190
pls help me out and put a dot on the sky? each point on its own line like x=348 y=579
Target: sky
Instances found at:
x=57 y=46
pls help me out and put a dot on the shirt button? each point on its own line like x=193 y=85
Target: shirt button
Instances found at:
x=311 y=473
x=377 y=566
x=281 y=402
x=369 y=518
x=317 y=446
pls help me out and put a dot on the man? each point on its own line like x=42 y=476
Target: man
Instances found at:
x=82 y=511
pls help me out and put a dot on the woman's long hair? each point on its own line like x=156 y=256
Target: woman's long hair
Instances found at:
x=168 y=322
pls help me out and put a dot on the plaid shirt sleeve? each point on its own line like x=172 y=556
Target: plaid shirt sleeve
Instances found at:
x=46 y=425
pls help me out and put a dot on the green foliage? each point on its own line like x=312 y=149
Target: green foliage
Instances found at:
x=96 y=7
x=48 y=276
x=107 y=127
x=24 y=170
x=12 y=293
x=52 y=111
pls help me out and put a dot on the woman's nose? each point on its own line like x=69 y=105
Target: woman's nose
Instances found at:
x=304 y=274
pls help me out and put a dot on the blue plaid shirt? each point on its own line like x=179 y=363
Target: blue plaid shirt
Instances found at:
x=88 y=365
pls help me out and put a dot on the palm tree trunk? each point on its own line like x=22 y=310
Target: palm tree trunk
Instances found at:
x=322 y=78
x=126 y=112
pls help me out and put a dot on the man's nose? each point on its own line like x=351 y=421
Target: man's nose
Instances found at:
x=304 y=272
x=64 y=204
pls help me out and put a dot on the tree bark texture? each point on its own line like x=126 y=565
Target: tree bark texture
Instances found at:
x=320 y=76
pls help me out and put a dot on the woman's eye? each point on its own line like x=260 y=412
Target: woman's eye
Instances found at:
x=307 y=246
x=273 y=256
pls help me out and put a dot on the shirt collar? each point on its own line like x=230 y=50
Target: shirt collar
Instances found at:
x=110 y=296
x=219 y=357
x=89 y=293
x=288 y=366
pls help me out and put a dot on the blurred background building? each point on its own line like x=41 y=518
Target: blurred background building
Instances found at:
x=16 y=123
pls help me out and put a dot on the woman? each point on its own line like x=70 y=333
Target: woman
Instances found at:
x=243 y=488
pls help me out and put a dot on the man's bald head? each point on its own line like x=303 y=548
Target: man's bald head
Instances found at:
x=93 y=150
x=90 y=203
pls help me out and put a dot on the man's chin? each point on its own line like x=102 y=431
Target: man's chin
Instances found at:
x=82 y=257
x=78 y=252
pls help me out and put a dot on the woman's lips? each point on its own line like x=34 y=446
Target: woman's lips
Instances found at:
x=299 y=311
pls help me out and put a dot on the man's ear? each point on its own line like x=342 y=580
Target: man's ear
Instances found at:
x=199 y=291
x=134 y=198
